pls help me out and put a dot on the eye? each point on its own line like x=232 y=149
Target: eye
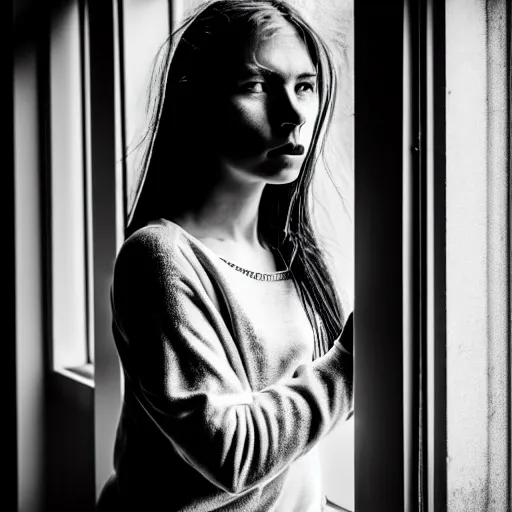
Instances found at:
x=305 y=88
x=254 y=87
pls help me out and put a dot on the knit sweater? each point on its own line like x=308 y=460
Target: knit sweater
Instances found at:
x=223 y=403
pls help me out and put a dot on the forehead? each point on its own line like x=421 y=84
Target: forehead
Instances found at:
x=279 y=49
x=282 y=50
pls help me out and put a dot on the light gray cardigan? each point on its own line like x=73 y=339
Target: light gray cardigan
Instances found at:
x=223 y=403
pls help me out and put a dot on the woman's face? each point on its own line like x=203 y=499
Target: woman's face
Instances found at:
x=267 y=121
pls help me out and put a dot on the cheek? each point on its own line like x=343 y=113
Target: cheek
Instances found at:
x=245 y=127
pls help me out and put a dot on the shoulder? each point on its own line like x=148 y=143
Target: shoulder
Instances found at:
x=153 y=249
x=152 y=239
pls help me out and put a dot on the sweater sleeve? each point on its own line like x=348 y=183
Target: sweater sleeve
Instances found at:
x=186 y=383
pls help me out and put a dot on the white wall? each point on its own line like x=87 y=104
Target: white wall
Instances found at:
x=478 y=257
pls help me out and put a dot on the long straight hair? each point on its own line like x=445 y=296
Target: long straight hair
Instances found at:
x=198 y=53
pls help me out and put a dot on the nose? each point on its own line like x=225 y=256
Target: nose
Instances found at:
x=291 y=114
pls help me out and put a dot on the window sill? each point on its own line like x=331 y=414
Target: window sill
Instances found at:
x=83 y=374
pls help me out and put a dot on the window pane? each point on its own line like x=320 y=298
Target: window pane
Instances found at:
x=69 y=291
x=145 y=26
x=333 y=212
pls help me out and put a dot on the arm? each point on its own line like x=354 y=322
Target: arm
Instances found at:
x=235 y=437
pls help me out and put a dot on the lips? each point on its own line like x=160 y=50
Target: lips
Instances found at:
x=287 y=149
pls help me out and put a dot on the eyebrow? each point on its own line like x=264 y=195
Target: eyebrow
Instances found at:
x=253 y=69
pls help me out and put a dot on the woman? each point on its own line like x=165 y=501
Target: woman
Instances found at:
x=225 y=317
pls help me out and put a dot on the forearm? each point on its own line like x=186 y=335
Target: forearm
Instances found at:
x=241 y=440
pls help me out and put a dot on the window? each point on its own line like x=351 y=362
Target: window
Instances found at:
x=144 y=27
x=70 y=208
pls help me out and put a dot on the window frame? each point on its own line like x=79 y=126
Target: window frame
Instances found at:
x=386 y=430
x=69 y=319
x=403 y=221
x=434 y=349
x=380 y=338
x=400 y=329
x=408 y=203
x=108 y=223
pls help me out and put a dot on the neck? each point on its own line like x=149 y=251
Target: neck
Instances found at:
x=228 y=213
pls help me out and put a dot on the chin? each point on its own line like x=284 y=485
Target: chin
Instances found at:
x=275 y=172
x=282 y=171
x=284 y=177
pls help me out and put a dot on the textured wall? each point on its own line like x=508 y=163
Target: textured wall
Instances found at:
x=478 y=257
